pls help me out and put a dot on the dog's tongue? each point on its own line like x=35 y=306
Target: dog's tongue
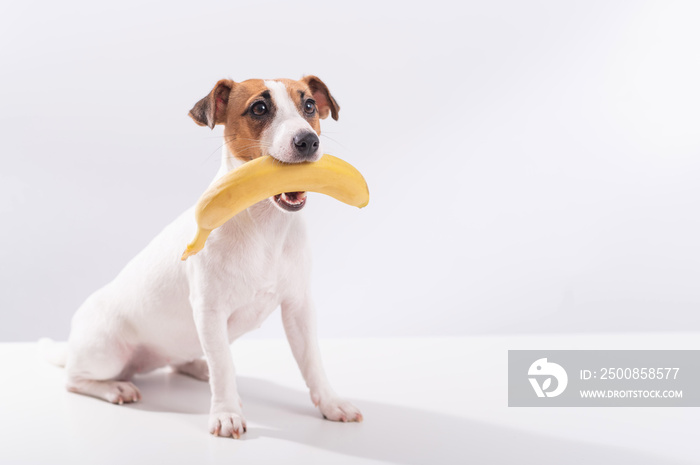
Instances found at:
x=294 y=197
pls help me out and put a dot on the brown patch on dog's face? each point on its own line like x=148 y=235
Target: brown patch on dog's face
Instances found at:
x=247 y=108
x=250 y=111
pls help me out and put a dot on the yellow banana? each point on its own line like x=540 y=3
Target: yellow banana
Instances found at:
x=264 y=177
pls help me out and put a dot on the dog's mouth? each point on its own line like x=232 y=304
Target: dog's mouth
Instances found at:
x=291 y=201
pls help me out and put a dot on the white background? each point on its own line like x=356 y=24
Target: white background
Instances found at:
x=533 y=166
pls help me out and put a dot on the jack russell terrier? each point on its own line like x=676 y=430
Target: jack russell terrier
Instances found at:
x=161 y=312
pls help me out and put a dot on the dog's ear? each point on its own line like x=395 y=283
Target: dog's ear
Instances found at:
x=211 y=110
x=324 y=100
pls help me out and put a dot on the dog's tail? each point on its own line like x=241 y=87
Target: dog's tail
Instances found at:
x=53 y=352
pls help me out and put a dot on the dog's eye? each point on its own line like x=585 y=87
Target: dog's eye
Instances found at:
x=259 y=108
x=309 y=107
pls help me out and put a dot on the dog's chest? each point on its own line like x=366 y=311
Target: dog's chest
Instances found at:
x=253 y=293
x=251 y=264
x=249 y=315
x=253 y=276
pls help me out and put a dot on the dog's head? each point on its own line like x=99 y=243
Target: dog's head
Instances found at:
x=277 y=117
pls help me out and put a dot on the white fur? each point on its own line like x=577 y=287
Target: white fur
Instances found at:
x=160 y=311
x=287 y=123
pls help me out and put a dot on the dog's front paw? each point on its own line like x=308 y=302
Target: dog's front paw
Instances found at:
x=336 y=409
x=227 y=424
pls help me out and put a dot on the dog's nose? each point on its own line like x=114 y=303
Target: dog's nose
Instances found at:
x=306 y=143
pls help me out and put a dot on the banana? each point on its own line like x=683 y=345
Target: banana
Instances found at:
x=264 y=177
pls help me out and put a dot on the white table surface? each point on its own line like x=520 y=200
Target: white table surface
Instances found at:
x=425 y=401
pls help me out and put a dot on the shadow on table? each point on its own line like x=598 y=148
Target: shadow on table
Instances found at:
x=389 y=433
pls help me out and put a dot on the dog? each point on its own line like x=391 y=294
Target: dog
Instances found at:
x=161 y=312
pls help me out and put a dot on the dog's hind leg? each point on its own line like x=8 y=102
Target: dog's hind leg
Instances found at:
x=198 y=369
x=116 y=392
x=101 y=370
